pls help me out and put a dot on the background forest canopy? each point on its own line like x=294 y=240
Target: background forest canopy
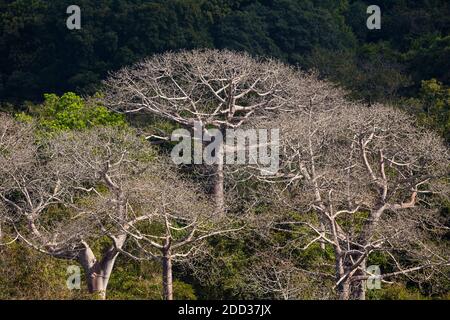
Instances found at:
x=40 y=55
x=49 y=82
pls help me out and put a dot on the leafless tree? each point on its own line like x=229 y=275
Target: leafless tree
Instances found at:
x=64 y=193
x=370 y=175
x=29 y=187
x=172 y=219
x=219 y=89
x=105 y=158
x=14 y=149
x=18 y=156
x=277 y=275
x=54 y=189
x=163 y=216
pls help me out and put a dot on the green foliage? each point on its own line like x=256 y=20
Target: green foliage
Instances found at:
x=133 y=280
x=428 y=58
x=23 y=117
x=71 y=112
x=354 y=221
x=225 y=266
x=395 y=292
x=433 y=106
x=40 y=54
x=372 y=72
x=26 y=274
x=436 y=102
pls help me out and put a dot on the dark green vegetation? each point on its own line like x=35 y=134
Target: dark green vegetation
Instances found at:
x=407 y=63
x=39 y=54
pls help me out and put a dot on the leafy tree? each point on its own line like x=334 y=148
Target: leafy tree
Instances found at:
x=71 y=112
x=433 y=106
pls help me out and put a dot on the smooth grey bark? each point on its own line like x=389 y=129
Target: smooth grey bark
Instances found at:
x=359 y=286
x=344 y=290
x=350 y=288
x=98 y=272
x=218 y=189
x=167 y=272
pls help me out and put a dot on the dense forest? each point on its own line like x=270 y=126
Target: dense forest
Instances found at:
x=63 y=94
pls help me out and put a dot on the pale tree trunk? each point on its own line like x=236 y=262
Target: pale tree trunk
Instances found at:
x=219 y=179
x=344 y=290
x=218 y=189
x=167 y=274
x=322 y=229
x=216 y=170
x=350 y=289
x=99 y=272
x=358 y=287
